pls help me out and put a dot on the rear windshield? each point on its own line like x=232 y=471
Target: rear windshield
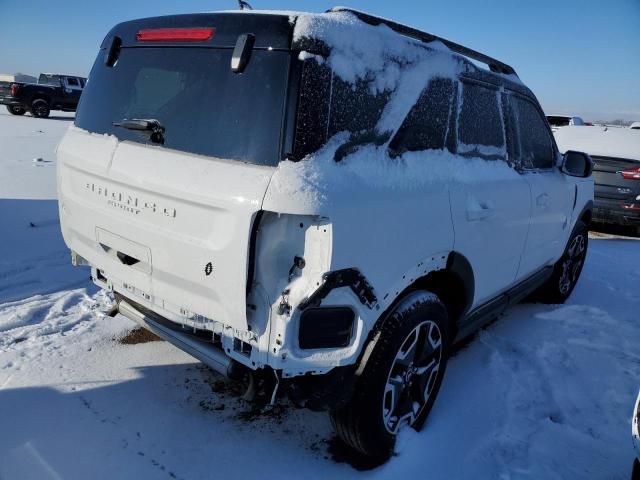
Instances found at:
x=204 y=107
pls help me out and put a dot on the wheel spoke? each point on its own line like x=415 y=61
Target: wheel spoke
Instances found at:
x=408 y=350
x=412 y=376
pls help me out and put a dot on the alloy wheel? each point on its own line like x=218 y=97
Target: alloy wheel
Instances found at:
x=412 y=376
x=572 y=263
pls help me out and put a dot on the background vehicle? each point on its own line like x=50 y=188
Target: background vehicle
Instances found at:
x=616 y=156
x=52 y=92
x=635 y=126
x=564 y=121
x=276 y=209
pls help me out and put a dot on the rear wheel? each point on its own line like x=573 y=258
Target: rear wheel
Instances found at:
x=16 y=109
x=40 y=108
x=400 y=380
x=567 y=270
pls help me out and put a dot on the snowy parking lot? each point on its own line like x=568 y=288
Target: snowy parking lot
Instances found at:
x=544 y=392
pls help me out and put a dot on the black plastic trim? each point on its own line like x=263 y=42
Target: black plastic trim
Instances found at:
x=348 y=277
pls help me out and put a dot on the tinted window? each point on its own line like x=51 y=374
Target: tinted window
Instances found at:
x=480 y=129
x=535 y=148
x=46 y=79
x=353 y=107
x=205 y=108
x=73 y=82
x=426 y=125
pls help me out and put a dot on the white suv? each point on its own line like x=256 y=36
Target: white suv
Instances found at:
x=322 y=203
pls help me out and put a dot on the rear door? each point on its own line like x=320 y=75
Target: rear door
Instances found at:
x=71 y=92
x=491 y=212
x=552 y=195
x=168 y=219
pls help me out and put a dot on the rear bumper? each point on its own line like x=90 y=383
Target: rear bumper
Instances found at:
x=11 y=101
x=612 y=211
x=208 y=352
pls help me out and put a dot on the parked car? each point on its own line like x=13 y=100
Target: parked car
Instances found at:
x=52 y=92
x=635 y=435
x=318 y=203
x=564 y=121
x=616 y=156
x=635 y=126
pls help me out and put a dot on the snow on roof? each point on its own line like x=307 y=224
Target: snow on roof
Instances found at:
x=600 y=141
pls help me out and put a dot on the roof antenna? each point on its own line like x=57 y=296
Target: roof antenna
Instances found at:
x=242 y=4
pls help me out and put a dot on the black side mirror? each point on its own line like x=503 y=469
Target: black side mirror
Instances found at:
x=577 y=164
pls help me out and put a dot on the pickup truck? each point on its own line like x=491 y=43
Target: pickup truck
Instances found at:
x=52 y=92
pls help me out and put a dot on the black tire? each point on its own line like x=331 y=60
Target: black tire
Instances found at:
x=366 y=423
x=566 y=271
x=40 y=108
x=16 y=110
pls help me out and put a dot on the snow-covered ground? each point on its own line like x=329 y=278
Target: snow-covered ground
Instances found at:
x=545 y=392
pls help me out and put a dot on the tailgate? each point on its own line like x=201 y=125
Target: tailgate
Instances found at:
x=171 y=226
x=5 y=89
x=609 y=183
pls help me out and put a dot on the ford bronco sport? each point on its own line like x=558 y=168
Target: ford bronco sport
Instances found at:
x=321 y=203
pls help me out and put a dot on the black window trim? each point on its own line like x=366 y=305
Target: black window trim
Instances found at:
x=554 y=147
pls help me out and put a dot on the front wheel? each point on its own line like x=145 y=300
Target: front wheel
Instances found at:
x=567 y=270
x=401 y=378
x=16 y=109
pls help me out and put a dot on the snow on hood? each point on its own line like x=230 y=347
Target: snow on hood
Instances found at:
x=600 y=141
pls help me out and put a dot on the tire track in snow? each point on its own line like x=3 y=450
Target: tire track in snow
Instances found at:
x=45 y=315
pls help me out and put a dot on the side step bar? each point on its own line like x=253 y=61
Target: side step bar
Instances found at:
x=207 y=353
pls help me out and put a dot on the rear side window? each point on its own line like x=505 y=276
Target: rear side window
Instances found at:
x=72 y=82
x=353 y=107
x=480 y=128
x=205 y=108
x=534 y=147
x=46 y=79
x=427 y=124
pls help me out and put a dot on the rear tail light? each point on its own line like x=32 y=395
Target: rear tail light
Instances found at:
x=176 y=34
x=14 y=89
x=631 y=206
x=631 y=174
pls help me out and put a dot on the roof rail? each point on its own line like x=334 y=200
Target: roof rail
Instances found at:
x=494 y=65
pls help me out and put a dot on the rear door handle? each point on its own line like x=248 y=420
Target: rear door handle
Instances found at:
x=542 y=200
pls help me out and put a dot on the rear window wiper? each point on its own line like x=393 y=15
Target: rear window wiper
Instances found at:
x=144 y=124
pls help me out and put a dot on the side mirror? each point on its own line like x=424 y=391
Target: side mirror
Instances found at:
x=577 y=164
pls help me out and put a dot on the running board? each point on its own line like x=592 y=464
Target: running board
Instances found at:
x=207 y=353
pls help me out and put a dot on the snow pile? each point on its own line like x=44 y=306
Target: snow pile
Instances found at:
x=402 y=67
x=319 y=181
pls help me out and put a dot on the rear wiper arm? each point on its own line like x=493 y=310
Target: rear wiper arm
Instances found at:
x=144 y=124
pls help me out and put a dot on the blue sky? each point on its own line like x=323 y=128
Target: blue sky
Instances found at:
x=578 y=56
